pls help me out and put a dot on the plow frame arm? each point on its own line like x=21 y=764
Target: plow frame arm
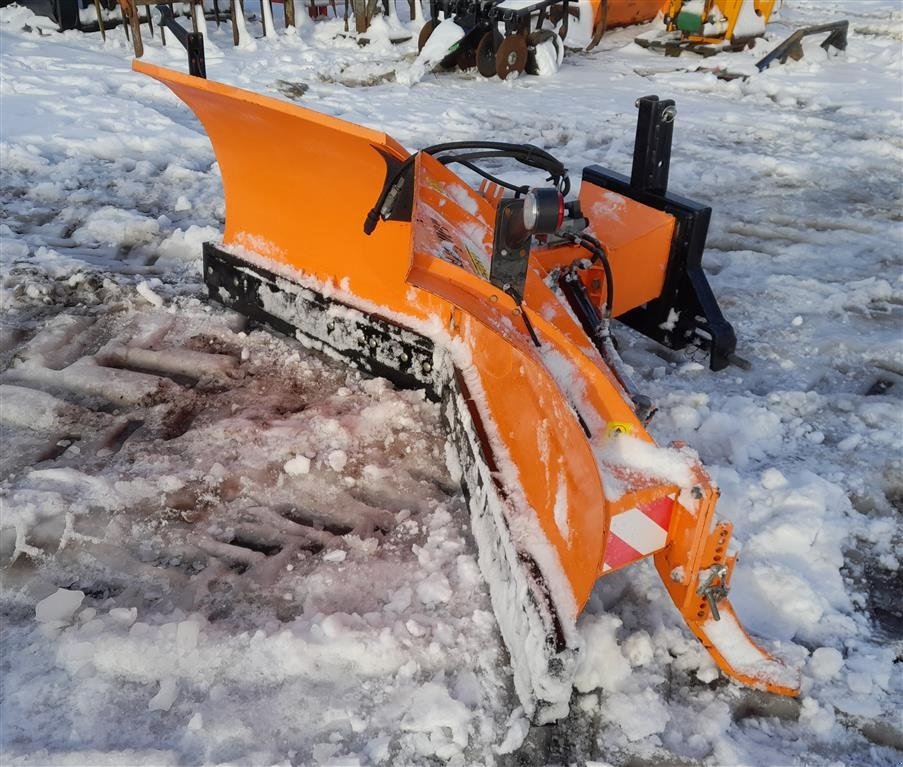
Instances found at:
x=696 y=569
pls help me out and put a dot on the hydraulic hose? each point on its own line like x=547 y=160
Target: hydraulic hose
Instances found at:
x=599 y=327
x=526 y=154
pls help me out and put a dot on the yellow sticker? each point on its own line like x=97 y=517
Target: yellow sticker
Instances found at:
x=617 y=427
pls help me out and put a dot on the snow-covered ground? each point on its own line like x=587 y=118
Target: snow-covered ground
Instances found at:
x=217 y=547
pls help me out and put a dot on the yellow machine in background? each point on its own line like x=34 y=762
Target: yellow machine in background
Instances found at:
x=708 y=27
x=718 y=21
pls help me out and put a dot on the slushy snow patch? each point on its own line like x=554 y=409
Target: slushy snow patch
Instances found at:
x=639 y=716
x=444 y=723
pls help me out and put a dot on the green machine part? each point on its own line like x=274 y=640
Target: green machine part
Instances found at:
x=690 y=18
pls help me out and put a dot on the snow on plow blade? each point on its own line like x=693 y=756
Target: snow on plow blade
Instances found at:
x=340 y=238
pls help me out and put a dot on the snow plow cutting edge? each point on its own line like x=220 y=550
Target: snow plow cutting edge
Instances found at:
x=499 y=308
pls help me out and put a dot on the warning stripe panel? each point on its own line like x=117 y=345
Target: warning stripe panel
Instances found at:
x=637 y=533
x=659 y=511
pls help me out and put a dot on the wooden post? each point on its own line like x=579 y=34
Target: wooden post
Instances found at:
x=361 y=19
x=288 y=7
x=150 y=21
x=103 y=30
x=371 y=10
x=130 y=17
x=232 y=12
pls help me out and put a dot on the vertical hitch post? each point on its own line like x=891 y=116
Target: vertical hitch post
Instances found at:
x=686 y=312
x=652 y=148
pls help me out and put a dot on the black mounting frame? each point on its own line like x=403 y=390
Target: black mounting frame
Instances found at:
x=687 y=311
x=510 y=249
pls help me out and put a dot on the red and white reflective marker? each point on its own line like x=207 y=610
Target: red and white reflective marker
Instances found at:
x=637 y=533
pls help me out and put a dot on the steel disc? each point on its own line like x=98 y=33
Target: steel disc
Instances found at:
x=544 y=41
x=556 y=17
x=425 y=31
x=466 y=55
x=486 y=54
x=511 y=56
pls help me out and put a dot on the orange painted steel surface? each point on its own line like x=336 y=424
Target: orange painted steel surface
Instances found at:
x=624 y=12
x=550 y=451
x=637 y=240
x=273 y=182
x=326 y=242
x=298 y=186
x=696 y=545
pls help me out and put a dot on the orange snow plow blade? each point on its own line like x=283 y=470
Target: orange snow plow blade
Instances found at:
x=621 y=13
x=499 y=307
x=616 y=13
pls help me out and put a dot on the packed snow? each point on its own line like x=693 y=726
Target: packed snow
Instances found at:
x=221 y=547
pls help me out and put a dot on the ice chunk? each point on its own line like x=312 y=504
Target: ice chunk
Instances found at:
x=518 y=727
x=434 y=712
x=30 y=408
x=300 y=464
x=414 y=628
x=165 y=696
x=187 y=636
x=337 y=460
x=816 y=718
x=772 y=479
x=638 y=649
x=115 y=226
x=601 y=665
x=149 y=294
x=124 y=616
x=59 y=606
x=434 y=589
x=400 y=599
x=196 y=722
x=639 y=716
x=378 y=748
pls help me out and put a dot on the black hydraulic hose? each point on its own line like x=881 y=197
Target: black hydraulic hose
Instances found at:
x=526 y=154
x=394 y=182
x=598 y=254
x=494 y=179
x=599 y=328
